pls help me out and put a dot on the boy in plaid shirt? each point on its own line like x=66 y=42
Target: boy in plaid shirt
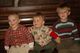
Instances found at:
x=17 y=36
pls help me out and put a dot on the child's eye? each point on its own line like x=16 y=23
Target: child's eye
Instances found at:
x=14 y=20
x=37 y=20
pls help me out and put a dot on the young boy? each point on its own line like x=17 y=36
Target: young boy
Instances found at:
x=42 y=36
x=17 y=37
x=65 y=28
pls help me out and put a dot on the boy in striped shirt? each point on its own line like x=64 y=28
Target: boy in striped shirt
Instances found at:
x=65 y=27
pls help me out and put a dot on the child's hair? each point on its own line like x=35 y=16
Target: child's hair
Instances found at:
x=40 y=16
x=63 y=6
x=16 y=15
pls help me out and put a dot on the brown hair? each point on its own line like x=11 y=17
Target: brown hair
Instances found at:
x=63 y=6
x=40 y=16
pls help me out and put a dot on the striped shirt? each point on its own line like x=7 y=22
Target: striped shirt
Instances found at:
x=65 y=29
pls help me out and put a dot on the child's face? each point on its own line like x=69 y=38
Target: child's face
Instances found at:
x=63 y=13
x=38 y=22
x=13 y=20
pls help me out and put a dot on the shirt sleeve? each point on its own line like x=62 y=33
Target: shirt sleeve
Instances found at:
x=29 y=36
x=6 y=38
x=75 y=32
x=54 y=35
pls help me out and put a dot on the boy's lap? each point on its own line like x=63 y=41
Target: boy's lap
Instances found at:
x=46 y=49
x=69 y=46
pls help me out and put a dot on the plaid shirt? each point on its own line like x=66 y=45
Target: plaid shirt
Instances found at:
x=17 y=37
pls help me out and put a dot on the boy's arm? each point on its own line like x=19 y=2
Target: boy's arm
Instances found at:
x=29 y=37
x=56 y=37
x=75 y=32
x=6 y=41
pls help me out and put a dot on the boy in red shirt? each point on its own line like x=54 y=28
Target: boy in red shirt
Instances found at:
x=17 y=36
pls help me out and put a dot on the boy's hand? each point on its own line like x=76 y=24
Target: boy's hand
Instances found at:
x=58 y=40
x=31 y=45
x=31 y=48
x=77 y=41
x=6 y=48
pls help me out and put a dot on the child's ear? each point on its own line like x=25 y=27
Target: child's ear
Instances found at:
x=69 y=13
x=43 y=22
x=19 y=20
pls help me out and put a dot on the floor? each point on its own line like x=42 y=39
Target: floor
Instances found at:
x=73 y=49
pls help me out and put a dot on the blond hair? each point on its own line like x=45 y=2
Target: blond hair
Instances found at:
x=15 y=15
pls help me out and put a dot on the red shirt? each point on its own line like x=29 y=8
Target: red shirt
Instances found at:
x=17 y=37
